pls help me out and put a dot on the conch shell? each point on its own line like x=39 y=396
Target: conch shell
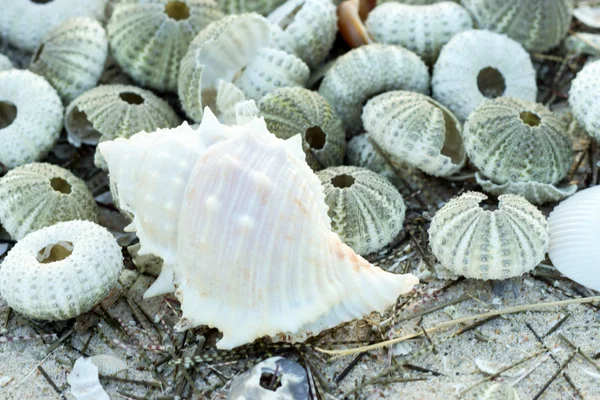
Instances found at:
x=241 y=222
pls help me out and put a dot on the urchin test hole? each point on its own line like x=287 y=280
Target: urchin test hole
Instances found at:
x=8 y=113
x=270 y=381
x=41 y=1
x=342 y=181
x=38 y=53
x=491 y=83
x=315 y=137
x=177 y=10
x=55 y=252
x=131 y=98
x=60 y=185
x=530 y=118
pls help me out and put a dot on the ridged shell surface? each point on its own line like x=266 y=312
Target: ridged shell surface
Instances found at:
x=5 y=63
x=368 y=71
x=61 y=271
x=107 y=364
x=31 y=117
x=492 y=391
x=477 y=65
x=262 y=7
x=273 y=266
x=217 y=53
x=422 y=29
x=500 y=244
x=412 y=128
x=538 y=25
x=290 y=111
x=24 y=23
x=366 y=211
x=584 y=98
x=72 y=56
x=148 y=39
x=574 y=233
x=37 y=195
x=84 y=381
x=228 y=96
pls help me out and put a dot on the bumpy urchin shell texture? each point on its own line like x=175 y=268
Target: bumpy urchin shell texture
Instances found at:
x=246 y=6
x=492 y=391
x=584 y=98
x=217 y=53
x=478 y=65
x=366 y=211
x=474 y=243
x=148 y=39
x=31 y=117
x=412 y=128
x=25 y=23
x=61 y=271
x=290 y=111
x=72 y=56
x=5 y=63
x=112 y=111
x=538 y=25
x=368 y=71
x=37 y=195
x=310 y=27
x=422 y=29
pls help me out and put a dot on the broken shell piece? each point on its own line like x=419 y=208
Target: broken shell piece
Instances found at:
x=492 y=391
x=574 y=232
x=478 y=65
x=422 y=29
x=290 y=111
x=72 y=56
x=84 y=381
x=414 y=129
x=198 y=177
x=107 y=364
x=500 y=244
x=228 y=95
x=583 y=43
x=588 y=15
x=366 y=211
x=584 y=98
x=290 y=377
x=31 y=117
x=61 y=271
x=5 y=63
x=37 y=195
x=148 y=39
x=366 y=72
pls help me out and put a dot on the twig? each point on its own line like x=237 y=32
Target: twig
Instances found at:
x=583 y=354
x=51 y=382
x=557 y=325
x=554 y=376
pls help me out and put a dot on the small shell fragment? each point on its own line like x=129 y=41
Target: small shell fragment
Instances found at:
x=492 y=391
x=589 y=15
x=107 y=364
x=583 y=43
x=84 y=381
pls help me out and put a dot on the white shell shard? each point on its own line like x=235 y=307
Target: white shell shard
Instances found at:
x=84 y=381
x=107 y=364
x=228 y=95
x=584 y=98
x=254 y=245
x=588 y=15
x=245 y=112
x=574 y=237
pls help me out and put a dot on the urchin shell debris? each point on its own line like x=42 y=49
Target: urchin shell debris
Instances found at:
x=290 y=111
x=538 y=25
x=366 y=211
x=368 y=71
x=412 y=128
x=422 y=29
x=31 y=117
x=222 y=165
x=37 y=195
x=500 y=244
x=521 y=147
x=148 y=39
x=583 y=43
x=108 y=364
x=589 y=15
x=262 y=7
x=61 y=271
x=5 y=63
x=584 y=98
x=84 y=381
x=477 y=65
x=492 y=391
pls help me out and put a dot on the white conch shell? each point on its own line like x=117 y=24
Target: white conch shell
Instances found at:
x=84 y=381
x=574 y=235
x=244 y=227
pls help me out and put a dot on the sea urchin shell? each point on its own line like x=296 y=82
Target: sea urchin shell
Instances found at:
x=584 y=98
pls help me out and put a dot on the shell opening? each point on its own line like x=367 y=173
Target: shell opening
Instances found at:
x=270 y=381
x=315 y=137
x=530 y=118
x=342 y=181
x=55 y=252
x=8 y=113
x=78 y=121
x=38 y=52
x=491 y=83
x=131 y=98
x=453 y=144
x=60 y=185
x=177 y=10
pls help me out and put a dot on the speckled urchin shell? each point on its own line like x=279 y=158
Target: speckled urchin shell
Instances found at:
x=37 y=195
x=583 y=43
x=538 y=25
x=366 y=210
x=521 y=146
x=492 y=391
x=72 y=56
x=270 y=70
x=478 y=65
x=584 y=98
x=217 y=53
x=368 y=71
x=5 y=63
x=61 y=271
x=112 y=111
x=262 y=7
x=310 y=26
x=148 y=39
x=290 y=111
x=24 y=23
x=474 y=243
x=31 y=117
x=422 y=29
x=412 y=128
